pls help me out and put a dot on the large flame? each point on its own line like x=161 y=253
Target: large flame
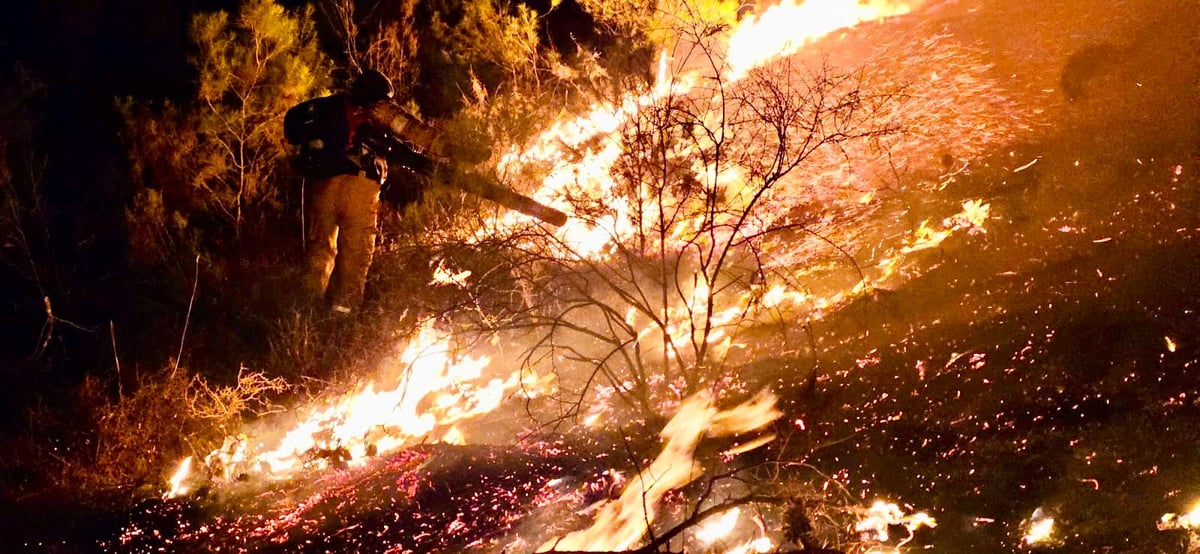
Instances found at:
x=593 y=141
x=575 y=160
x=784 y=29
x=423 y=393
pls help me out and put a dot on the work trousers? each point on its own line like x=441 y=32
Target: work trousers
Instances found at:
x=344 y=211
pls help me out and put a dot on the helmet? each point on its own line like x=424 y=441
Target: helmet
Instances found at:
x=370 y=87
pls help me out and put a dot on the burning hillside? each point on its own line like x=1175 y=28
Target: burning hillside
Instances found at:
x=831 y=284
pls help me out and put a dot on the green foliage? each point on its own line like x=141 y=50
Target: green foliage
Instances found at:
x=209 y=166
x=251 y=70
x=485 y=40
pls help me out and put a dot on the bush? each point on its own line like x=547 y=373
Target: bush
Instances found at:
x=126 y=443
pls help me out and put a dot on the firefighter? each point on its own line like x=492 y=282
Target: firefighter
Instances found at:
x=346 y=176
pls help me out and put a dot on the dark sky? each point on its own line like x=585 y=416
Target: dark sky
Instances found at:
x=84 y=54
x=123 y=47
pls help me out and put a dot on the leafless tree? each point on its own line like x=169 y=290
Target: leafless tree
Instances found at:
x=703 y=189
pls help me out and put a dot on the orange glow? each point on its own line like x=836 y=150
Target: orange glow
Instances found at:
x=784 y=29
x=1189 y=521
x=426 y=390
x=718 y=528
x=443 y=276
x=1040 y=529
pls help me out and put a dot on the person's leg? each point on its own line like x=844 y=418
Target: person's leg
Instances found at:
x=322 y=237
x=355 y=243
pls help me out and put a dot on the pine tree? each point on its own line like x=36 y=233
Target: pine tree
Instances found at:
x=209 y=166
x=251 y=70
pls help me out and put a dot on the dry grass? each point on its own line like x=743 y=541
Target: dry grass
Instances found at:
x=127 y=441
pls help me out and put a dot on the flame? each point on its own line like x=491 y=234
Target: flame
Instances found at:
x=925 y=237
x=760 y=545
x=380 y=418
x=572 y=163
x=973 y=215
x=779 y=32
x=881 y=515
x=577 y=158
x=784 y=29
x=443 y=276
x=1041 y=528
x=621 y=524
x=427 y=389
x=719 y=528
x=177 y=487
x=1189 y=521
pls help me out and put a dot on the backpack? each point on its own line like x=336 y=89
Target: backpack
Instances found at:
x=321 y=130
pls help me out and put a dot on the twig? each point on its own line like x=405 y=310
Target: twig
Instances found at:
x=303 y=223
x=188 y=318
x=48 y=327
x=112 y=332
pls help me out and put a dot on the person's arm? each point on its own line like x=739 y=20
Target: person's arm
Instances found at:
x=423 y=137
